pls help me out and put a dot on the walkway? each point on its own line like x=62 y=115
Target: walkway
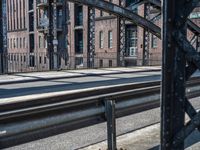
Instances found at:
x=40 y=76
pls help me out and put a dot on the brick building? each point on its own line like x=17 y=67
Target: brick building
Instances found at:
x=116 y=42
x=28 y=28
x=107 y=39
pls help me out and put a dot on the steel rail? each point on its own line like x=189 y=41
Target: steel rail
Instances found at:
x=42 y=120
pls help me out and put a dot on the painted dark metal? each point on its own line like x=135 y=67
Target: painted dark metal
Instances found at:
x=122 y=36
x=121 y=12
x=146 y=35
x=3 y=36
x=193 y=27
x=91 y=37
x=111 y=124
x=173 y=77
x=50 y=35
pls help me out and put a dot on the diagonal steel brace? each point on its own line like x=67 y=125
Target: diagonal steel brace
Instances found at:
x=187 y=130
x=191 y=54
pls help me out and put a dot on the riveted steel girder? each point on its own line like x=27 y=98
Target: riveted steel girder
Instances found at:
x=3 y=36
x=193 y=27
x=134 y=5
x=121 y=12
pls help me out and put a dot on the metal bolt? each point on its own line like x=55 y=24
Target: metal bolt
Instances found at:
x=167 y=145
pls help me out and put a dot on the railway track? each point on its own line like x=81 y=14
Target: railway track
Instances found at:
x=25 y=119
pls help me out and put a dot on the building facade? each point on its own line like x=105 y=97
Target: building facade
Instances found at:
x=30 y=33
x=63 y=35
x=110 y=49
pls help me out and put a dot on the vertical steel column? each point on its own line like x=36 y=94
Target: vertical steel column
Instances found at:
x=55 y=40
x=3 y=37
x=198 y=43
x=50 y=35
x=173 y=76
x=146 y=36
x=91 y=38
x=111 y=124
x=122 y=37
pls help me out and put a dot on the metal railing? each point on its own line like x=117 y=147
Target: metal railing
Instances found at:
x=50 y=114
x=35 y=62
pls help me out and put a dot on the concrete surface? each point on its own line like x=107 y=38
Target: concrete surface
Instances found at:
x=74 y=83
x=146 y=139
x=40 y=76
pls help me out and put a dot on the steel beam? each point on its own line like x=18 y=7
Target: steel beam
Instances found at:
x=91 y=37
x=173 y=77
x=50 y=45
x=3 y=37
x=121 y=12
x=136 y=4
x=146 y=37
x=122 y=36
x=187 y=130
x=111 y=124
x=193 y=27
x=191 y=54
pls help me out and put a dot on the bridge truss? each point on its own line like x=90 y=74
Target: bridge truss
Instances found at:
x=177 y=50
x=180 y=61
x=3 y=36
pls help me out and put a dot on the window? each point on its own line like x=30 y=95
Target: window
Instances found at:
x=17 y=43
x=195 y=15
x=45 y=42
x=78 y=15
x=8 y=43
x=79 y=41
x=14 y=43
x=111 y=1
x=20 y=42
x=100 y=63
x=40 y=42
x=31 y=60
x=110 y=39
x=131 y=41
x=101 y=13
x=79 y=61
x=154 y=41
x=45 y=60
x=101 y=39
x=24 y=42
x=40 y=59
x=110 y=63
x=11 y=42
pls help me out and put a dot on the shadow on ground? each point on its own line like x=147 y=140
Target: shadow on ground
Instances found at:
x=193 y=139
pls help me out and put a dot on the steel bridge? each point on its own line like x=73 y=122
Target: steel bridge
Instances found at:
x=180 y=60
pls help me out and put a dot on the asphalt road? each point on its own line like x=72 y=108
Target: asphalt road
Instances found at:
x=83 y=137
x=68 y=84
